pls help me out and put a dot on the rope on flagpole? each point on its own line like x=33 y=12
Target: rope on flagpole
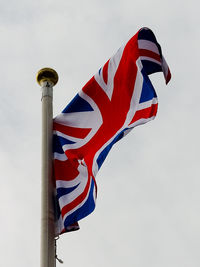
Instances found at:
x=59 y=260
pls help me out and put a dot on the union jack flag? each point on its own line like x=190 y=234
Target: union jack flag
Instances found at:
x=118 y=98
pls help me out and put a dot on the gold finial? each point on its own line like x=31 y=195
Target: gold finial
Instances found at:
x=47 y=74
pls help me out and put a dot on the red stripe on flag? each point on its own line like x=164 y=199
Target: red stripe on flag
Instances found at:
x=168 y=76
x=145 y=113
x=77 y=201
x=148 y=53
x=72 y=131
x=66 y=170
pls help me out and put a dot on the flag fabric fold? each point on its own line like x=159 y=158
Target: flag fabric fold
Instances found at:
x=116 y=99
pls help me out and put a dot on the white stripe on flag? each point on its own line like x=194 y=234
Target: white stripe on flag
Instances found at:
x=148 y=45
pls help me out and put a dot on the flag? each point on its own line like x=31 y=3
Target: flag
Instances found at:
x=116 y=99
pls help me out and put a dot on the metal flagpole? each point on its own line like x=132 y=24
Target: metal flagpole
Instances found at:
x=47 y=78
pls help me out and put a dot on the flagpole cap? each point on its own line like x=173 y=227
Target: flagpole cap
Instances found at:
x=47 y=74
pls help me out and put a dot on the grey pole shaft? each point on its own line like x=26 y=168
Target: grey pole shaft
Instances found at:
x=47 y=213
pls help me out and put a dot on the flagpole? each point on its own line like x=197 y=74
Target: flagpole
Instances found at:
x=47 y=78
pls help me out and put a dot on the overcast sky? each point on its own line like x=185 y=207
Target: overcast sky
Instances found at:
x=148 y=206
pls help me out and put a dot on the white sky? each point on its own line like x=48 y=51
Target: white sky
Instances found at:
x=148 y=202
